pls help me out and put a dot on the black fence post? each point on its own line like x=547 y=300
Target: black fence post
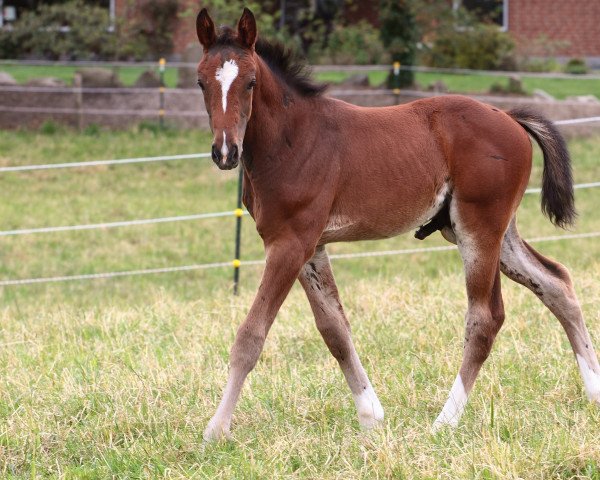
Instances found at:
x=238 y=233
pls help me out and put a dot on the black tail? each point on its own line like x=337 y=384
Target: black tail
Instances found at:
x=558 y=201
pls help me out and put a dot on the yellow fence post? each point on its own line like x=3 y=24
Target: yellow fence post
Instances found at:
x=161 y=92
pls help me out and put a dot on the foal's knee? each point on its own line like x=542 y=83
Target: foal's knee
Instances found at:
x=336 y=339
x=482 y=325
x=498 y=317
x=246 y=349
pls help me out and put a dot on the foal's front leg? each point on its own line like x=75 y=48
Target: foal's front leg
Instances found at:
x=283 y=263
x=317 y=280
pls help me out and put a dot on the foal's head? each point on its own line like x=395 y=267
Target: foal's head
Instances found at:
x=227 y=76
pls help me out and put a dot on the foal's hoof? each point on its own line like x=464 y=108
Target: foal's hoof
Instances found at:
x=372 y=417
x=369 y=409
x=369 y=422
x=591 y=380
x=594 y=397
x=216 y=431
x=442 y=422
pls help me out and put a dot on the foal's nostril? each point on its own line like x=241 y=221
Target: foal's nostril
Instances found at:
x=233 y=154
x=216 y=154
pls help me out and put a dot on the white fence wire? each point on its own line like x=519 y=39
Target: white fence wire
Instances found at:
x=179 y=218
x=577 y=186
x=206 y=266
x=124 y=223
x=183 y=268
x=97 y=163
x=576 y=121
x=102 y=111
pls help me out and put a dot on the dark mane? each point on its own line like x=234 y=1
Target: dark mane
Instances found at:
x=290 y=67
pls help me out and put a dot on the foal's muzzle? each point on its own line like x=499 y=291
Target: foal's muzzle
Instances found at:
x=228 y=161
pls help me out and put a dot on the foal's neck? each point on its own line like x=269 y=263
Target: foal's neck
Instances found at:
x=274 y=108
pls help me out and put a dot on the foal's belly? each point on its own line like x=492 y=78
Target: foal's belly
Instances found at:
x=385 y=220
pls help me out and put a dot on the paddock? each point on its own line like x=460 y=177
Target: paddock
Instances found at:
x=118 y=375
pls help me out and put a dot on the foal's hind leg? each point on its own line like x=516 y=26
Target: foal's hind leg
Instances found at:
x=317 y=280
x=485 y=315
x=551 y=282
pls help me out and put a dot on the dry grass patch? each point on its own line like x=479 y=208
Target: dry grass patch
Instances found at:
x=102 y=392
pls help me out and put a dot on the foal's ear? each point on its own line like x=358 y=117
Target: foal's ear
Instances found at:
x=205 y=28
x=247 y=29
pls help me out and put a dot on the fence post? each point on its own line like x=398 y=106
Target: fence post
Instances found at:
x=78 y=87
x=238 y=233
x=396 y=82
x=161 y=93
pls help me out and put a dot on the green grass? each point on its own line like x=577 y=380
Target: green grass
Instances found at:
x=128 y=75
x=459 y=83
x=559 y=88
x=117 y=378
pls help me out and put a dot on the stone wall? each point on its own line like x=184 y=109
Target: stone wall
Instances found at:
x=118 y=108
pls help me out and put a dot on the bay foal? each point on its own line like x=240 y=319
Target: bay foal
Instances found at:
x=318 y=170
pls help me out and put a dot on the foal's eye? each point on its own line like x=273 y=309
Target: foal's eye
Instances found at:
x=200 y=84
x=252 y=84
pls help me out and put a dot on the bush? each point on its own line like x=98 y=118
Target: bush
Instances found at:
x=538 y=55
x=69 y=31
x=156 y=129
x=577 y=66
x=353 y=44
x=49 y=127
x=540 y=65
x=228 y=12
x=75 y=30
x=481 y=47
x=92 y=130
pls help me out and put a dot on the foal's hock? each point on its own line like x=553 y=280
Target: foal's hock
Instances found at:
x=318 y=170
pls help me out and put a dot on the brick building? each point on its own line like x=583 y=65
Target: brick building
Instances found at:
x=571 y=27
x=561 y=29
x=557 y=28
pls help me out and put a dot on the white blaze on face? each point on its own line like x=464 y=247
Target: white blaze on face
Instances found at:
x=224 y=149
x=225 y=76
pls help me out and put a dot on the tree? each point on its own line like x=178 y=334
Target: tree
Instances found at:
x=399 y=36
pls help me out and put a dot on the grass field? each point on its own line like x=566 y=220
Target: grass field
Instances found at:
x=558 y=87
x=127 y=75
x=117 y=378
x=460 y=83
